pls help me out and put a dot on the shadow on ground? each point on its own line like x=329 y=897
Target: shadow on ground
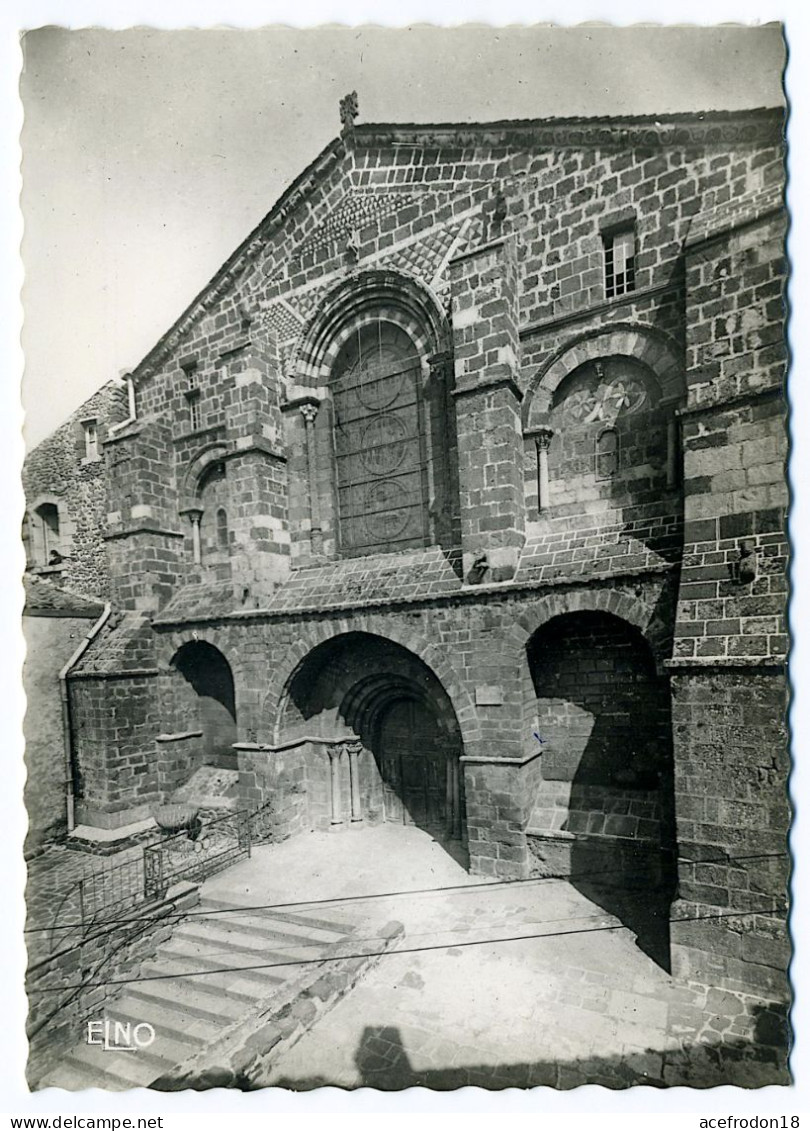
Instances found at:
x=383 y=1062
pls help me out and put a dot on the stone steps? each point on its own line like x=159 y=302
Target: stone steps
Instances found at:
x=194 y=988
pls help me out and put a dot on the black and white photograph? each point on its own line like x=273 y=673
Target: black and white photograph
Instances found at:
x=406 y=557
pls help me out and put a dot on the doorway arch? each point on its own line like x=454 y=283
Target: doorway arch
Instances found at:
x=362 y=688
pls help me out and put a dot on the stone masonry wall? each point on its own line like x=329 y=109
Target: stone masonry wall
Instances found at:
x=59 y=469
x=50 y=642
x=733 y=814
x=730 y=644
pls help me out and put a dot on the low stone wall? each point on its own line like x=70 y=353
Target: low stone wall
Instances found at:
x=74 y=985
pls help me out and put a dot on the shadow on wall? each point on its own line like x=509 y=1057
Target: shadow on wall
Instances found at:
x=209 y=700
x=607 y=766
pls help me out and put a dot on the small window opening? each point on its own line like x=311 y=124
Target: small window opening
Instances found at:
x=620 y=263
x=192 y=395
x=194 y=410
x=222 y=529
x=607 y=453
x=50 y=547
x=91 y=440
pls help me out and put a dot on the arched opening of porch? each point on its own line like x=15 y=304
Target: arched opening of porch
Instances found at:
x=382 y=738
x=204 y=700
x=604 y=813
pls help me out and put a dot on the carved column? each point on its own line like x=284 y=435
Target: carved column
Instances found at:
x=335 y=753
x=309 y=410
x=542 y=441
x=195 y=517
x=353 y=750
x=672 y=450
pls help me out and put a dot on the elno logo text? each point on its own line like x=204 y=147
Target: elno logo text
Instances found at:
x=120 y=1036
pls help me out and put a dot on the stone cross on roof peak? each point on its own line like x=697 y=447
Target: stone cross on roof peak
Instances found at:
x=349 y=109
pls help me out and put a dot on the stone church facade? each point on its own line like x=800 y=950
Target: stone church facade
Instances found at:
x=457 y=498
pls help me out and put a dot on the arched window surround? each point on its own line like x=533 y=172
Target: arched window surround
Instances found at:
x=353 y=308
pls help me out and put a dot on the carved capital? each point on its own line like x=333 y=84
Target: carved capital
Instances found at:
x=335 y=751
x=353 y=748
x=543 y=438
x=309 y=411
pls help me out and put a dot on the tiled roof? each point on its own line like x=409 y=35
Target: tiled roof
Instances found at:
x=383 y=577
x=598 y=551
x=200 y=600
x=44 y=598
x=124 y=644
x=560 y=554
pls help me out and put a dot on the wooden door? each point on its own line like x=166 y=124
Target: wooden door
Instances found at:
x=413 y=760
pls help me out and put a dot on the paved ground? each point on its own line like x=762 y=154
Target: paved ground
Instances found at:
x=491 y=984
x=494 y=984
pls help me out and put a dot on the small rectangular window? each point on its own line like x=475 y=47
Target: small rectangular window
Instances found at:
x=620 y=262
x=194 y=409
x=91 y=440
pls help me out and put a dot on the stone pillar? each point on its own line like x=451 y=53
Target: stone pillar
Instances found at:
x=353 y=750
x=144 y=542
x=309 y=410
x=335 y=752
x=257 y=471
x=453 y=799
x=542 y=440
x=487 y=398
x=194 y=518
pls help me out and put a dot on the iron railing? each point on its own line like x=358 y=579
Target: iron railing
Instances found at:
x=195 y=853
x=107 y=893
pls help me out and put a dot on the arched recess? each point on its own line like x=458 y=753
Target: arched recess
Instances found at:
x=647 y=345
x=605 y=804
x=410 y=640
x=203 y=698
x=48 y=530
x=195 y=473
x=366 y=690
x=204 y=501
x=383 y=447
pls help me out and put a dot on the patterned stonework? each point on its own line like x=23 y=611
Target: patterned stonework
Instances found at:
x=356 y=211
x=605 y=400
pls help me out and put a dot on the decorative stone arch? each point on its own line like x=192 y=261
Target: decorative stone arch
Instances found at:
x=205 y=458
x=632 y=609
x=316 y=634
x=364 y=298
x=169 y=644
x=658 y=351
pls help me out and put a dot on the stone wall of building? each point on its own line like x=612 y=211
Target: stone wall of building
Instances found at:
x=60 y=471
x=50 y=642
x=730 y=695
